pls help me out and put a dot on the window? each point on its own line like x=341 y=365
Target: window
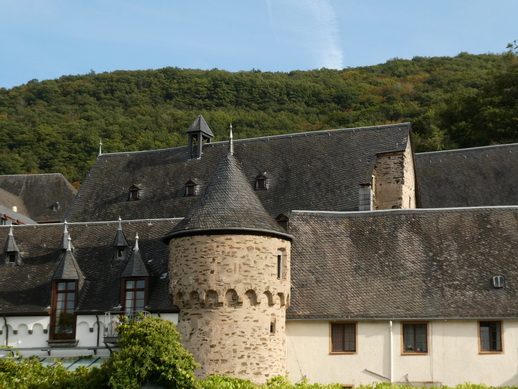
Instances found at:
x=120 y=252
x=490 y=336
x=63 y=317
x=11 y=257
x=260 y=182
x=190 y=188
x=415 y=338
x=279 y=264
x=134 y=296
x=134 y=193
x=343 y=337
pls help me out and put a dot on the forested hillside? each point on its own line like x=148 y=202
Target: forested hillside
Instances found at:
x=56 y=125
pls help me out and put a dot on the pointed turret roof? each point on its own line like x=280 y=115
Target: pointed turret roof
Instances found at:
x=200 y=125
x=120 y=240
x=228 y=204
x=135 y=266
x=68 y=268
x=10 y=243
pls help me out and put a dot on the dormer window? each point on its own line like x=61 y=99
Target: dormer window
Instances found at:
x=11 y=250
x=11 y=258
x=134 y=193
x=191 y=188
x=283 y=221
x=261 y=182
x=63 y=318
x=134 y=295
x=120 y=252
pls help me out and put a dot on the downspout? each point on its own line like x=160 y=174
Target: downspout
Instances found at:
x=391 y=341
x=6 y=331
x=98 y=329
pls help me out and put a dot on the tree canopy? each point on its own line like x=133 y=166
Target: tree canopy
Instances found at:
x=56 y=125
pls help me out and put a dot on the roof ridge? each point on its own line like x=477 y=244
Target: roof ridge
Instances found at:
x=267 y=137
x=479 y=148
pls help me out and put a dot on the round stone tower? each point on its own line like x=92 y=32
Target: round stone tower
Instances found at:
x=229 y=266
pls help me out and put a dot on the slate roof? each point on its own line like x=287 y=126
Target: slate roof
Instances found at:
x=136 y=267
x=200 y=125
x=318 y=170
x=41 y=197
x=404 y=264
x=26 y=289
x=481 y=176
x=228 y=204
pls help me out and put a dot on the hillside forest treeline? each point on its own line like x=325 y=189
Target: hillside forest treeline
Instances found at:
x=56 y=125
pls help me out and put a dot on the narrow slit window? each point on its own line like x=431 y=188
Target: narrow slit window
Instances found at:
x=279 y=264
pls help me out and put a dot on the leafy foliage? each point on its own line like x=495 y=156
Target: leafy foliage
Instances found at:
x=17 y=373
x=150 y=352
x=56 y=125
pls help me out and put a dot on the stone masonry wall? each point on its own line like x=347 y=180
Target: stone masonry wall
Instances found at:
x=394 y=180
x=232 y=303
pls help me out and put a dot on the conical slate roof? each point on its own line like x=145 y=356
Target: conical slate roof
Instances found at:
x=135 y=266
x=10 y=243
x=228 y=204
x=120 y=240
x=68 y=268
x=200 y=125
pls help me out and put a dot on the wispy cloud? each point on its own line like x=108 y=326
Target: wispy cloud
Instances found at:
x=326 y=35
x=312 y=25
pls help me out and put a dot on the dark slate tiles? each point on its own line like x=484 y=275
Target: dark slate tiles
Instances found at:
x=404 y=264
x=45 y=197
x=481 y=176
x=315 y=170
x=26 y=289
x=228 y=204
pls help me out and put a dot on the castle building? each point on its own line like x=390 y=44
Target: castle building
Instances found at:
x=336 y=256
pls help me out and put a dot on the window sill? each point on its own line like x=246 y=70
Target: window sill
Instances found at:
x=490 y=352
x=342 y=352
x=63 y=343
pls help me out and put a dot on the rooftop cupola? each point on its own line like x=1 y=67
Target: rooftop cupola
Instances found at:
x=199 y=133
x=11 y=250
x=135 y=266
x=68 y=268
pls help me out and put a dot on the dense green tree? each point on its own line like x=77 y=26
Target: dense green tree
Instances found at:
x=56 y=125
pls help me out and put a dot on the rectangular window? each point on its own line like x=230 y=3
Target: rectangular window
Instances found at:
x=63 y=317
x=415 y=338
x=343 y=337
x=134 y=296
x=490 y=336
x=279 y=264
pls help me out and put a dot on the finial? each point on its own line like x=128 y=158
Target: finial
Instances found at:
x=231 y=142
x=11 y=230
x=120 y=223
x=136 y=243
x=65 y=223
x=69 y=243
x=100 y=146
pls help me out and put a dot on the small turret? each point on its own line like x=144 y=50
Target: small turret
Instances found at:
x=199 y=133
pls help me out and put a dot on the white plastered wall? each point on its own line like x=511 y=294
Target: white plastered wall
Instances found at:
x=19 y=335
x=453 y=356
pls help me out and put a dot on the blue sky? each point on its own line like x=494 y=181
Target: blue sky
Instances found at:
x=45 y=39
